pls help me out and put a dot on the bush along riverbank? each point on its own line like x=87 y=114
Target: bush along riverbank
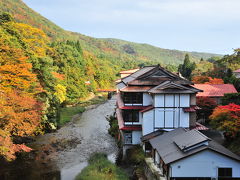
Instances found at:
x=100 y=168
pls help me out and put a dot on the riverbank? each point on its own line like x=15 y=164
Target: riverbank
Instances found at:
x=66 y=114
x=67 y=150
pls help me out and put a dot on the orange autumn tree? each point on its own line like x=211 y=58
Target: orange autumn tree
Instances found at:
x=16 y=75
x=200 y=79
x=206 y=80
x=227 y=119
x=20 y=111
x=215 y=81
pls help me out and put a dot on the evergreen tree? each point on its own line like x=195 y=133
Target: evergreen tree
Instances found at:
x=5 y=17
x=187 y=67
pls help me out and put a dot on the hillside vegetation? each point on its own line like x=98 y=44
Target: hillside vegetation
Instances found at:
x=43 y=68
x=37 y=77
x=111 y=49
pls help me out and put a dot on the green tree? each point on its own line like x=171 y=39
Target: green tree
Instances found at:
x=5 y=17
x=187 y=67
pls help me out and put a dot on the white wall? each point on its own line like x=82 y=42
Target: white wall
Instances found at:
x=184 y=118
x=184 y=100
x=168 y=114
x=159 y=117
x=171 y=118
x=172 y=100
x=159 y=100
x=204 y=164
x=147 y=122
x=147 y=99
x=136 y=137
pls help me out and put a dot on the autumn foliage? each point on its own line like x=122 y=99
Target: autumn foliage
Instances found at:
x=207 y=105
x=206 y=80
x=21 y=110
x=227 y=119
x=20 y=113
x=37 y=76
x=200 y=79
x=215 y=81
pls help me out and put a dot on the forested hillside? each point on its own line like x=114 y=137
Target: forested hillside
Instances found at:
x=111 y=49
x=37 y=76
x=43 y=68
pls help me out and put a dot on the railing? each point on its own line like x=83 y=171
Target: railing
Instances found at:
x=132 y=123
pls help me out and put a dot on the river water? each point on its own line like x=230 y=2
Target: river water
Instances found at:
x=65 y=152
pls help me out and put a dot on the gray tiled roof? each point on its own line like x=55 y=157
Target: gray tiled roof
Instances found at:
x=172 y=87
x=189 y=139
x=170 y=145
x=153 y=75
x=138 y=73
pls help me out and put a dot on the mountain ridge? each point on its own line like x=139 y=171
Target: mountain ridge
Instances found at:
x=109 y=48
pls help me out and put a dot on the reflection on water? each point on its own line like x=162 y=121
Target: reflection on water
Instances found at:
x=27 y=170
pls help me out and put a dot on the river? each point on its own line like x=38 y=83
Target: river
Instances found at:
x=65 y=153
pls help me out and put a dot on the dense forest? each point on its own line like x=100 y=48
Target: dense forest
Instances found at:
x=38 y=76
x=43 y=68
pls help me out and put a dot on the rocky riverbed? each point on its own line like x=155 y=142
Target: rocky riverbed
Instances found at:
x=67 y=150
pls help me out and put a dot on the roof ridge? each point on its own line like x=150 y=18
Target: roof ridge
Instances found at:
x=202 y=134
x=129 y=70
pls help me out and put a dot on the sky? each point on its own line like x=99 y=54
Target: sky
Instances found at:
x=190 y=25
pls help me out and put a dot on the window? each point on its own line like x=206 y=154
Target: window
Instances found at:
x=133 y=98
x=224 y=172
x=128 y=138
x=131 y=115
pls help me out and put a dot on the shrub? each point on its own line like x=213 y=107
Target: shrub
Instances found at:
x=136 y=155
x=113 y=130
x=100 y=168
x=231 y=98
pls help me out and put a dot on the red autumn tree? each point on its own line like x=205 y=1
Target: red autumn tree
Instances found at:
x=227 y=119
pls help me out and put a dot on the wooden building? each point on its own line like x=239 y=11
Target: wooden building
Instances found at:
x=153 y=99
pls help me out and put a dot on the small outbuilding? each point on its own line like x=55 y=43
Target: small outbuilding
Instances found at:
x=184 y=154
x=215 y=91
